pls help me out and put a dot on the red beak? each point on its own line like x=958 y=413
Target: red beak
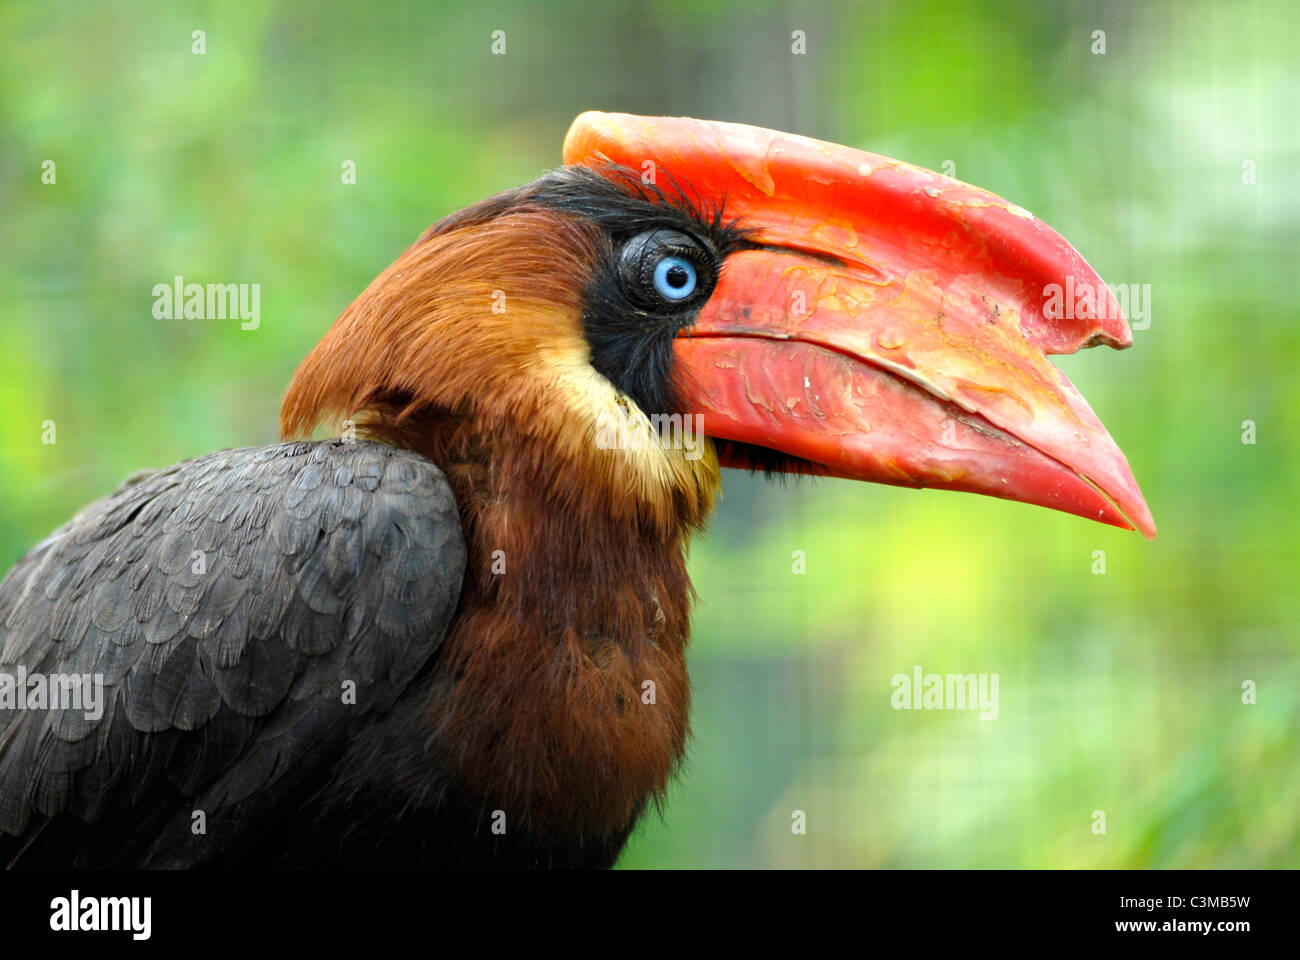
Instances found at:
x=895 y=324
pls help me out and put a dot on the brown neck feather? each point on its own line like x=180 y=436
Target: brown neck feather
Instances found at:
x=570 y=696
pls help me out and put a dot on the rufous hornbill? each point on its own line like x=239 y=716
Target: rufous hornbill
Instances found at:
x=460 y=639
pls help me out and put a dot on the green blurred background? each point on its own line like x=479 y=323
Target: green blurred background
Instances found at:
x=1119 y=692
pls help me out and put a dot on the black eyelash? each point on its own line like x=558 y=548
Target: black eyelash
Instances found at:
x=617 y=200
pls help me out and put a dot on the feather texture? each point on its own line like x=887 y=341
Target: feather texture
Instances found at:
x=224 y=603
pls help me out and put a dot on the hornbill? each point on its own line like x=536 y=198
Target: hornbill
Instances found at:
x=455 y=634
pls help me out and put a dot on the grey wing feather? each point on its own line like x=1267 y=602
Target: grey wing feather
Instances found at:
x=223 y=603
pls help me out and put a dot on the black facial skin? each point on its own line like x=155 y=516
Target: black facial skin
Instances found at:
x=630 y=328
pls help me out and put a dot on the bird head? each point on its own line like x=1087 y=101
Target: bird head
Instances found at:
x=809 y=307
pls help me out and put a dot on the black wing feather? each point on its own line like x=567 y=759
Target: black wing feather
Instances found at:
x=224 y=602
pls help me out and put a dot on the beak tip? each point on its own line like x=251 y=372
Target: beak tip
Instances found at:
x=1138 y=516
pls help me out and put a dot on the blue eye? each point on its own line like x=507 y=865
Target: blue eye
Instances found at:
x=674 y=278
x=666 y=271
